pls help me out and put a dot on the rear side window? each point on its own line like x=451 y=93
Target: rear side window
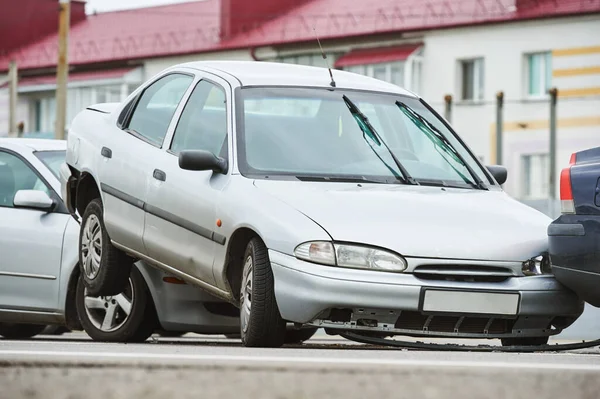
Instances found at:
x=152 y=115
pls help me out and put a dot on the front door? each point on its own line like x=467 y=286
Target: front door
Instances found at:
x=31 y=241
x=181 y=229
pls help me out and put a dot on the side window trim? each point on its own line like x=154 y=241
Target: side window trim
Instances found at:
x=61 y=207
x=136 y=100
x=227 y=115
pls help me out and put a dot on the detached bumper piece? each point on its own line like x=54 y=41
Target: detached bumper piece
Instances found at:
x=418 y=324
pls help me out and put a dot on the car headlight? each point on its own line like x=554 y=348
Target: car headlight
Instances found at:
x=351 y=256
x=537 y=266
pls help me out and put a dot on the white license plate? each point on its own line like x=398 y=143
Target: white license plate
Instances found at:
x=470 y=302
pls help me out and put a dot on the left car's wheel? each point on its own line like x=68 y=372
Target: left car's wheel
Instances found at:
x=20 y=331
x=126 y=317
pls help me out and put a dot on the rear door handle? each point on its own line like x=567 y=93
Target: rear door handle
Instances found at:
x=159 y=175
x=106 y=152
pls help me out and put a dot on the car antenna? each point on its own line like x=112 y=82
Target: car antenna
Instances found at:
x=325 y=58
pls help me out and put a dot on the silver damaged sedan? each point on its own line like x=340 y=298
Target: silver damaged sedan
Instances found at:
x=346 y=204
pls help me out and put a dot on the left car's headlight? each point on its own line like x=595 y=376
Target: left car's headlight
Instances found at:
x=350 y=256
x=537 y=266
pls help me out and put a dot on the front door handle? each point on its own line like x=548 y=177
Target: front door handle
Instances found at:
x=159 y=175
x=106 y=152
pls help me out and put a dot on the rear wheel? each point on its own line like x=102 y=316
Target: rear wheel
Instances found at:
x=20 y=331
x=525 y=341
x=104 y=268
x=126 y=317
x=261 y=324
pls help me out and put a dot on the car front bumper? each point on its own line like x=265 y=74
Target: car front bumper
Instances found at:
x=350 y=299
x=574 y=247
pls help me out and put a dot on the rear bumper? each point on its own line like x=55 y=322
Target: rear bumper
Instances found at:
x=340 y=298
x=574 y=247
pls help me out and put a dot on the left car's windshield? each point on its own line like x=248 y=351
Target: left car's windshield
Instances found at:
x=52 y=160
x=312 y=134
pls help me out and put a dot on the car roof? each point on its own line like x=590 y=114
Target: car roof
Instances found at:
x=35 y=144
x=255 y=73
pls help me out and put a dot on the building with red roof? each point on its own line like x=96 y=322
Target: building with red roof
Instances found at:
x=469 y=49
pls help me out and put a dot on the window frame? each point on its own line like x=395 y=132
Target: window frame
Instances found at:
x=60 y=205
x=130 y=108
x=477 y=80
x=186 y=101
x=525 y=190
x=544 y=72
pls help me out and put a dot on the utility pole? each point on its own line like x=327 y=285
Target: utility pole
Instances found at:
x=552 y=186
x=448 y=108
x=62 y=68
x=13 y=77
x=499 y=126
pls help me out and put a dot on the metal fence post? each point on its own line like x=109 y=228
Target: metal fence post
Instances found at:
x=552 y=175
x=448 y=108
x=499 y=126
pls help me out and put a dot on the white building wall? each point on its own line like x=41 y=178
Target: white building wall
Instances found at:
x=575 y=43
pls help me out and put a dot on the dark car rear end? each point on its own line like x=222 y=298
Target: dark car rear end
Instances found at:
x=574 y=238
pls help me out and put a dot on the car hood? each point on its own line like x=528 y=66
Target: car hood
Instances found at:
x=418 y=221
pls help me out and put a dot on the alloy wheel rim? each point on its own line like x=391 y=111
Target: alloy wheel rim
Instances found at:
x=109 y=313
x=91 y=247
x=246 y=293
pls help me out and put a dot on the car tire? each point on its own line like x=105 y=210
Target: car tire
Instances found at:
x=117 y=326
x=105 y=268
x=20 y=331
x=299 y=336
x=525 y=341
x=261 y=324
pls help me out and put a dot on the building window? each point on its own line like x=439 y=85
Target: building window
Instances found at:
x=539 y=73
x=535 y=172
x=471 y=79
x=406 y=74
x=309 y=59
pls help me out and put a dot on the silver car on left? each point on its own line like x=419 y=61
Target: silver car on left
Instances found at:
x=39 y=277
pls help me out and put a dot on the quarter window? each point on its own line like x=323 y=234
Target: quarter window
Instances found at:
x=154 y=111
x=203 y=122
x=16 y=175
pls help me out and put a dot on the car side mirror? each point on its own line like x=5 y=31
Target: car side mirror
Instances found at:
x=202 y=160
x=33 y=199
x=499 y=172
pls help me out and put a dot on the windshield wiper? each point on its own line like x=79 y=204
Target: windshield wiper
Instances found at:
x=448 y=147
x=338 y=179
x=369 y=130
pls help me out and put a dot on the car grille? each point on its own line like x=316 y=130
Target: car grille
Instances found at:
x=473 y=325
x=466 y=273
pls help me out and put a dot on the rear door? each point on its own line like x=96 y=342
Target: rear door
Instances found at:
x=31 y=241
x=181 y=229
x=128 y=160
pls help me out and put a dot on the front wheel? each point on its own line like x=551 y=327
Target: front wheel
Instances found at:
x=104 y=268
x=261 y=324
x=20 y=331
x=525 y=341
x=126 y=317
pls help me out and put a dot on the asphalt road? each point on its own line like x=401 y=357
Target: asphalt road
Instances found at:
x=196 y=366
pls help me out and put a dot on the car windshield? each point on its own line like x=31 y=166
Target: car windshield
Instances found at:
x=52 y=160
x=316 y=134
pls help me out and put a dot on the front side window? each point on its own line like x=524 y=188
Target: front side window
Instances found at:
x=326 y=141
x=155 y=109
x=539 y=73
x=203 y=122
x=471 y=79
x=16 y=175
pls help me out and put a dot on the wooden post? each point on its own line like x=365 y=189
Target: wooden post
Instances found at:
x=62 y=68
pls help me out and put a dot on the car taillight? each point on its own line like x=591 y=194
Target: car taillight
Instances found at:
x=567 y=205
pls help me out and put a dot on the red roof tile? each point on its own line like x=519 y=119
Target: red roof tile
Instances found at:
x=343 y=18
x=75 y=77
